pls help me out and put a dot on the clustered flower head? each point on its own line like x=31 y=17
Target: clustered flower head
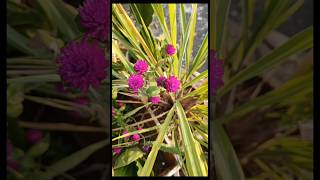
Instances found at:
x=172 y=84
x=135 y=82
x=94 y=16
x=117 y=150
x=82 y=64
x=216 y=73
x=33 y=136
x=141 y=66
x=161 y=81
x=136 y=137
x=155 y=99
x=127 y=137
x=170 y=50
x=10 y=161
x=146 y=148
x=113 y=111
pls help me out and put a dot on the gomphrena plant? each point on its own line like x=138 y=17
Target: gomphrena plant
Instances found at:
x=165 y=95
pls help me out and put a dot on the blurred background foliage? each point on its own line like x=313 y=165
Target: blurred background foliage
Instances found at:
x=263 y=115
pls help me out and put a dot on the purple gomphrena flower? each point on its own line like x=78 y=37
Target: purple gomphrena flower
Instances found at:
x=113 y=111
x=161 y=81
x=10 y=161
x=136 y=137
x=120 y=104
x=82 y=64
x=146 y=148
x=135 y=82
x=140 y=128
x=216 y=72
x=33 y=136
x=9 y=148
x=94 y=16
x=117 y=150
x=127 y=137
x=172 y=84
x=170 y=50
x=155 y=99
x=141 y=66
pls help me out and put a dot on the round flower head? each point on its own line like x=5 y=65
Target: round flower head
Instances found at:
x=82 y=64
x=161 y=81
x=126 y=132
x=136 y=137
x=140 y=128
x=94 y=17
x=216 y=73
x=141 y=66
x=113 y=111
x=117 y=150
x=146 y=148
x=120 y=104
x=9 y=147
x=135 y=82
x=172 y=84
x=155 y=99
x=33 y=136
x=170 y=50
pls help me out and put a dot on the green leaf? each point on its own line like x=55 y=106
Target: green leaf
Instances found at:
x=16 y=133
x=131 y=113
x=126 y=171
x=15 y=99
x=127 y=157
x=72 y=160
x=221 y=8
x=39 y=148
x=153 y=91
x=203 y=75
x=292 y=88
x=35 y=78
x=196 y=165
x=146 y=12
x=20 y=42
x=147 y=168
x=62 y=17
x=226 y=161
x=298 y=43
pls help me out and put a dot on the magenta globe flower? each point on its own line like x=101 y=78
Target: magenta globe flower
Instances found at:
x=135 y=82
x=136 y=137
x=94 y=17
x=33 y=136
x=141 y=66
x=216 y=73
x=172 y=84
x=146 y=148
x=117 y=150
x=113 y=111
x=126 y=132
x=82 y=64
x=170 y=50
x=155 y=99
x=161 y=81
x=120 y=104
